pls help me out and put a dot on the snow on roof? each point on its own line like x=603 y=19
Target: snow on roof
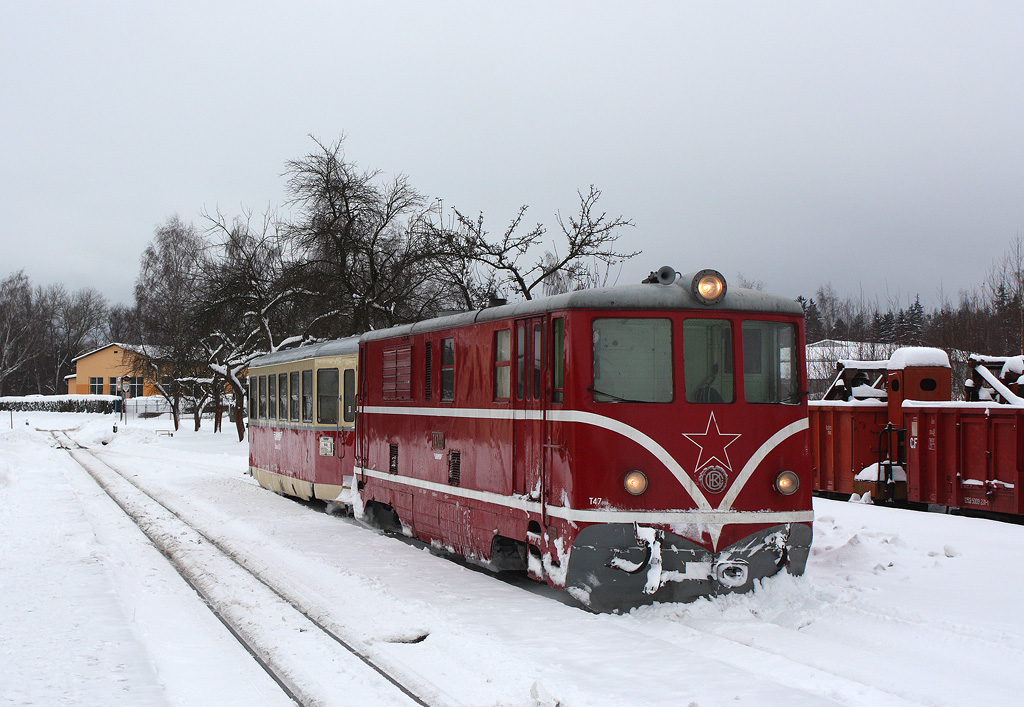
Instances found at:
x=1010 y=364
x=676 y=295
x=918 y=356
x=336 y=347
x=137 y=348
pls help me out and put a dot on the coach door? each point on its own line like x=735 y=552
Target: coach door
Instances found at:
x=528 y=403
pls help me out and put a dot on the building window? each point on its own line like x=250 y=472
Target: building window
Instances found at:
x=282 y=396
x=96 y=385
x=293 y=407
x=113 y=386
x=135 y=388
x=307 y=396
x=327 y=396
x=502 y=364
x=447 y=370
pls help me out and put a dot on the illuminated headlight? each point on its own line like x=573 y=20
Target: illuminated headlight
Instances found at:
x=708 y=286
x=635 y=482
x=787 y=483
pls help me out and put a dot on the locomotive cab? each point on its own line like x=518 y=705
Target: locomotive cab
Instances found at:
x=695 y=448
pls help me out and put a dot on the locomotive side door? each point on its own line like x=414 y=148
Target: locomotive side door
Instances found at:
x=528 y=403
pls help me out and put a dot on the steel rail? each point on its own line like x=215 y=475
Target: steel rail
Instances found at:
x=261 y=659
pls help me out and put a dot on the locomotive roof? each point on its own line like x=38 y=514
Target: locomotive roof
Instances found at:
x=641 y=296
x=336 y=347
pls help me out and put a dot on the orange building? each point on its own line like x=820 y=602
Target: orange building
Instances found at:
x=99 y=372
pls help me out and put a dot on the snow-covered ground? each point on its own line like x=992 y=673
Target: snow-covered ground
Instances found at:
x=897 y=607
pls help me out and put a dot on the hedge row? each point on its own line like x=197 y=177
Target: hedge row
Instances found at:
x=60 y=403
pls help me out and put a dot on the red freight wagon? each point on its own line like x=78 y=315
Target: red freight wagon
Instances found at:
x=967 y=455
x=630 y=444
x=844 y=440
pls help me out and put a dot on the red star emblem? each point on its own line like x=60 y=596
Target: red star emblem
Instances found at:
x=712 y=445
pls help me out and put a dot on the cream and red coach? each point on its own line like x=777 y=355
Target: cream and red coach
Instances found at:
x=630 y=444
x=302 y=419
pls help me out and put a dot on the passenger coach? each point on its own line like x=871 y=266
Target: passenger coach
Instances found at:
x=630 y=444
x=302 y=419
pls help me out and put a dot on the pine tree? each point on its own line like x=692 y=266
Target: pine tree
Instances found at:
x=915 y=322
x=815 y=330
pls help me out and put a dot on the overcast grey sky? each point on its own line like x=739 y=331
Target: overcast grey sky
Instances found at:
x=878 y=147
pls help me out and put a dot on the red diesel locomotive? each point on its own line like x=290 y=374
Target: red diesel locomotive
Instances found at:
x=628 y=444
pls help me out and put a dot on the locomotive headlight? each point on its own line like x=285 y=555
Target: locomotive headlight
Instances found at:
x=635 y=482
x=708 y=286
x=787 y=483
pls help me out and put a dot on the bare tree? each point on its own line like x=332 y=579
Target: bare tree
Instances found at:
x=366 y=252
x=20 y=326
x=122 y=324
x=167 y=294
x=749 y=284
x=589 y=238
x=252 y=302
x=73 y=324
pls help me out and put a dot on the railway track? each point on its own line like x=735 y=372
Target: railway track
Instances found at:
x=259 y=613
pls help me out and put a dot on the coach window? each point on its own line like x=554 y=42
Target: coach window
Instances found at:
x=447 y=370
x=263 y=397
x=538 y=353
x=349 y=410
x=282 y=396
x=707 y=361
x=253 y=395
x=327 y=396
x=272 y=397
x=520 y=360
x=293 y=404
x=307 y=396
x=557 y=358
x=632 y=360
x=502 y=364
x=769 y=362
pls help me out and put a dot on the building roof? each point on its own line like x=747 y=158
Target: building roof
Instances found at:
x=136 y=348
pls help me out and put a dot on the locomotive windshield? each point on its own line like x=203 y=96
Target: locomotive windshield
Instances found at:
x=632 y=360
x=707 y=360
x=769 y=362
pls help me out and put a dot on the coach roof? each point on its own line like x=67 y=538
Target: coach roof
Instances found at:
x=643 y=296
x=336 y=347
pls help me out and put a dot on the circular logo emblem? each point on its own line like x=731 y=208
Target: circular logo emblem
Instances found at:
x=713 y=478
